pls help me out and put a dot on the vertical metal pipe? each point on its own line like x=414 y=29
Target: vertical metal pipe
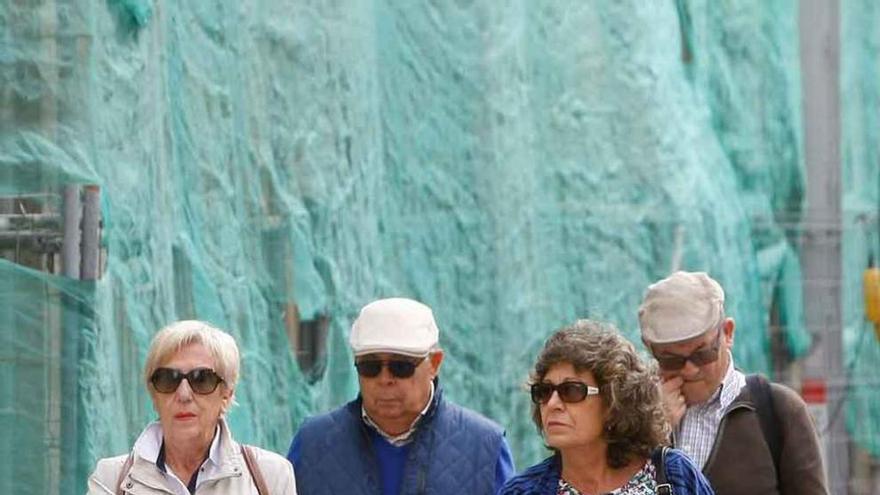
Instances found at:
x=74 y=450
x=68 y=343
x=91 y=225
x=70 y=258
x=61 y=430
x=819 y=29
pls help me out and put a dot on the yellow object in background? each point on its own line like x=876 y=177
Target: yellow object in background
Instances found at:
x=871 y=282
x=871 y=286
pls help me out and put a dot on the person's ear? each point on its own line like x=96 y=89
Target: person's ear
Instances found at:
x=436 y=359
x=729 y=328
x=606 y=418
x=227 y=394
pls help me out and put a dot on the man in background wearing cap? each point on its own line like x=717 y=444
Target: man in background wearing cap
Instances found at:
x=749 y=436
x=400 y=436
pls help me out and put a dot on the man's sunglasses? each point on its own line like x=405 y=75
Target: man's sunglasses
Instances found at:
x=699 y=357
x=201 y=380
x=399 y=368
x=568 y=391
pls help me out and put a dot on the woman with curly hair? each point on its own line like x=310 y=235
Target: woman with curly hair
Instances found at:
x=598 y=407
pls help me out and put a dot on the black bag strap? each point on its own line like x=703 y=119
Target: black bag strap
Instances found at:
x=759 y=389
x=658 y=457
x=122 y=473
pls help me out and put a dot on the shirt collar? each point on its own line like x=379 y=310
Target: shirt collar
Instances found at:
x=148 y=445
x=730 y=386
x=727 y=390
x=405 y=437
x=733 y=383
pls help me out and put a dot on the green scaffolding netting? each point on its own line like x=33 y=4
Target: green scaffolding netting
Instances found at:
x=515 y=165
x=860 y=134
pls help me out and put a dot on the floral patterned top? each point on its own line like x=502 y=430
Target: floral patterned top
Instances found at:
x=642 y=483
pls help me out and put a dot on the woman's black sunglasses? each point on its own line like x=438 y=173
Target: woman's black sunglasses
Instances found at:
x=399 y=368
x=568 y=391
x=201 y=380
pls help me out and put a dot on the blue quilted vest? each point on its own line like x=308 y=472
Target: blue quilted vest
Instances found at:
x=454 y=451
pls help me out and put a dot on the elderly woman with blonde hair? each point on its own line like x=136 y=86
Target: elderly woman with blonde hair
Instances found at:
x=191 y=373
x=598 y=407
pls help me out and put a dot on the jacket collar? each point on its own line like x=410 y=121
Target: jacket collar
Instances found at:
x=743 y=397
x=229 y=460
x=552 y=472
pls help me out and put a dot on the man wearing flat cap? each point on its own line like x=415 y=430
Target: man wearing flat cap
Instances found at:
x=399 y=436
x=747 y=434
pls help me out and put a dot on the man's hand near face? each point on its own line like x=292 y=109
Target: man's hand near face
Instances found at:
x=673 y=400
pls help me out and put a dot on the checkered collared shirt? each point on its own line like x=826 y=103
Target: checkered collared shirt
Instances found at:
x=695 y=434
x=405 y=437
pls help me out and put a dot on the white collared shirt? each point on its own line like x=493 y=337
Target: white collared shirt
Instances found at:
x=695 y=434
x=147 y=447
x=405 y=437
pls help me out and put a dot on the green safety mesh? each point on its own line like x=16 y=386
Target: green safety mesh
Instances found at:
x=860 y=177
x=515 y=165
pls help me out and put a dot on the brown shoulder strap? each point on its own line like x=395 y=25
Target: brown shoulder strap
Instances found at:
x=124 y=471
x=254 y=469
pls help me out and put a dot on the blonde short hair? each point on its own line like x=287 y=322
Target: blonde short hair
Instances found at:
x=177 y=335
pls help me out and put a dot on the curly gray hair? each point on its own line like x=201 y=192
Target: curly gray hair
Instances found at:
x=630 y=389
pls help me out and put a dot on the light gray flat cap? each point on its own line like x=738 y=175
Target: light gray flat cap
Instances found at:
x=682 y=306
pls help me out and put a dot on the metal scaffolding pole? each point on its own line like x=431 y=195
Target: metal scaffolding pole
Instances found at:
x=91 y=228
x=80 y=260
x=70 y=258
x=69 y=345
x=819 y=29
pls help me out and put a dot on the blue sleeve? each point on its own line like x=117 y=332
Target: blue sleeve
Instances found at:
x=684 y=475
x=504 y=469
x=295 y=452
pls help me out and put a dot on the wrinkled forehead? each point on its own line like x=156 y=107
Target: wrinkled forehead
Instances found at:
x=687 y=346
x=565 y=371
x=191 y=354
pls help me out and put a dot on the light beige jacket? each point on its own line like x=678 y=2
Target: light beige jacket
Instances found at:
x=233 y=477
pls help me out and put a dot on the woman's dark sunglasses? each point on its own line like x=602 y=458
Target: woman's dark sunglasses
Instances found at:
x=699 y=357
x=568 y=391
x=399 y=368
x=201 y=380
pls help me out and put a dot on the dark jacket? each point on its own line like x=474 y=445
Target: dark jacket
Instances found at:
x=543 y=478
x=741 y=461
x=454 y=450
